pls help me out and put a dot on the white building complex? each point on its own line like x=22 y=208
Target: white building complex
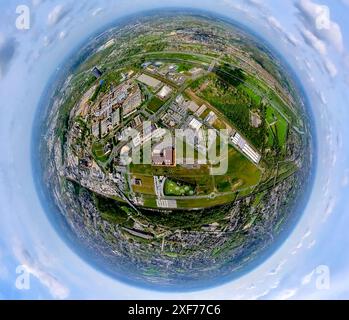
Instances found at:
x=164 y=92
x=161 y=203
x=241 y=143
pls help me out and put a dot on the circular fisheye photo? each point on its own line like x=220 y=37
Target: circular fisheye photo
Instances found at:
x=175 y=150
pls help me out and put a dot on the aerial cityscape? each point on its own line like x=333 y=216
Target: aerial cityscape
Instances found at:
x=174 y=154
x=176 y=149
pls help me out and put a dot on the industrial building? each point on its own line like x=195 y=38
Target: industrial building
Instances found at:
x=96 y=72
x=150 y=81
x=195 y=124
x=163 y=156
x=246 y=148
x=164 y=92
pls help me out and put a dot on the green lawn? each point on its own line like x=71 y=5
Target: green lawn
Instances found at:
x=184 y=67
x=147 y=184
x=98 y=152
x=174 y=56
x=155 y=104
x=242 y=173
x=255 y=97
x=206 y=203
x=242 y=168
x=278 y=127
x=224 y=185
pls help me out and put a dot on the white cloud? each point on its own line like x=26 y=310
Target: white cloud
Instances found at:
x=286 y=294
x=96 y=12
x=318 y=21
x=307 y=278
x=314 y=42
x=56 y=15
x=330 y=68
x=62 y=35
x=307 y=234
x=274 y=23
x=276 y=26
x=330 y=206
x=36 y=268
x=301 y=242
x=47 y=41
x=278 y=268
x=311 y=244
x=320 y=32
x=321 y=48
x=322 y=97
x=37 y=2
x=255 y=3
x=236 y=6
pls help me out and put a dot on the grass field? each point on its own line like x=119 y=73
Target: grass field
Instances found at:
x=256 y=98
x=150 y=201
x=273 y=97
x=278 y=127
x=224 y=184
x=147 y=184
x=205 y=203
x=241 y=173
x=205 y=114
x=199 y=177
x=174 y=56
x=98 y=152
x=178 y=171
x=219 y=125
x=155 y=104
x=184 y=67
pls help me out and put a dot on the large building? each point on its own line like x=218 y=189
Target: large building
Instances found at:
x=104 y=111
x=161 y=203
x=163 y=156
x=96 y=72
x=132 y=102
x=193 y=107
x=201 y=110
x=195 y=124
x=150 y=81
x=246 y=148
x=211 y=118
x=164 y=92
x=116 y=117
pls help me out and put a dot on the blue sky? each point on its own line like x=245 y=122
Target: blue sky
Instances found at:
x=317 y=52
